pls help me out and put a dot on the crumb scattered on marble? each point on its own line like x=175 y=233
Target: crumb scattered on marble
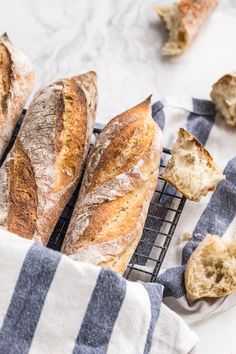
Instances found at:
x=185 y=236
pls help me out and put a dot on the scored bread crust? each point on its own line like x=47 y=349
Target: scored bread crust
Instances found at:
x=16 y=81
x=223 y=94
x=213 y=242
x=169 y=177
x=119 y=182
x=43 y=167
x=184 y=20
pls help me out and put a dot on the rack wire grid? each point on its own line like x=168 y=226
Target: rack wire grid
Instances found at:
x=163 y=215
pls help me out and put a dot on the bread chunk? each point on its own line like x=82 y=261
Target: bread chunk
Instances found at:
x=191 y=168
x=223 y=94
x=211 y=269
x=183 y=20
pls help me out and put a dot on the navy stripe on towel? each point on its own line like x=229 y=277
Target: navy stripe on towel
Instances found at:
x=173 y=281
x=158 y=114
x=31 y=289
x=155 y=297
x=216 y=218
x=201 y=120
x=218 y=214
x=203 y=107
x=200 y=126
x=101 y=314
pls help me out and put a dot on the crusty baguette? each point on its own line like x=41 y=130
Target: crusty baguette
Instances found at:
x=117 y=187
x=42 y=169
x=16 y=81
x=211 y=269
x=223 y=94
x=191 y=168
x=183 y=20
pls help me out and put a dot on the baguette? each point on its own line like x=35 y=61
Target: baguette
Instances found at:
x=191 y=168
x=183 y=20
x=43 y=167
x=223 y=94
x=211 y=269
x=119 y=182
x=16 y=81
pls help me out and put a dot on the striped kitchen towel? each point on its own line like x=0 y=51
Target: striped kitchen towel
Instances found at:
x=50 y=304
x=214 y=214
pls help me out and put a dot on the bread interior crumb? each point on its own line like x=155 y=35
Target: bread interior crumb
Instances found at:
x=190 y=168
x=215 y=272
x=178 y=37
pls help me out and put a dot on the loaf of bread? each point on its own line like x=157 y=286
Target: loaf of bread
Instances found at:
x=119 y=182
x=211 y=269
x=223 y=94
x=44 y=165
x=191 y=168
x=183 y=20
x=16 y=81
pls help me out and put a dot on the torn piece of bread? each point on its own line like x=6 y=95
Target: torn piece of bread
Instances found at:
x=211 y=269
x=191 y=168
x=223 y=94
x=183 y=20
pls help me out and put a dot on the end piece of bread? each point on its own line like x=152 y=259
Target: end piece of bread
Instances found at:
x=191 y=168
x=17 y=76
x=211 y=270
x=183 y=20
x=223 y=94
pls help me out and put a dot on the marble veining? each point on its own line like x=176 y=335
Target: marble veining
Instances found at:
x=121 y=40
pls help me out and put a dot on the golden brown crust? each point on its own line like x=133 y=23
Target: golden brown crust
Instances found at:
x=118 y=184
x=184 y=20
x=5 y=79
x=16 y=80
x=22 y=210
x=55 y=138
x=71 y=125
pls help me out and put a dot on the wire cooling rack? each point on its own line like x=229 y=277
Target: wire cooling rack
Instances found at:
x=163 y=216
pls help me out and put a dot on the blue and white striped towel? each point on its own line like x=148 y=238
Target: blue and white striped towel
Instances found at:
x=215 y=214
x=50 y=304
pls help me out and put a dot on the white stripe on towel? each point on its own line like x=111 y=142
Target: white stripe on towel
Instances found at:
x=65 y=306
x=10 y=266
x=137 y=325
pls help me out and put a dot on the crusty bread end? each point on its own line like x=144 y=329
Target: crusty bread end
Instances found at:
x=183 y=20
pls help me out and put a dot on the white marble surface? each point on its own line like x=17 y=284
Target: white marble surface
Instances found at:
x=121 y=41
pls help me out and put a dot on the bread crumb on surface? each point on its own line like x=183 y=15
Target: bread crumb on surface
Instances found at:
x=211 y=269
x=223 y=94
x=191 y=168
x=185 y=236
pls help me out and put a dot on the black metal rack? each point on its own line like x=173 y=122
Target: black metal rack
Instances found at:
x=163 y=216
